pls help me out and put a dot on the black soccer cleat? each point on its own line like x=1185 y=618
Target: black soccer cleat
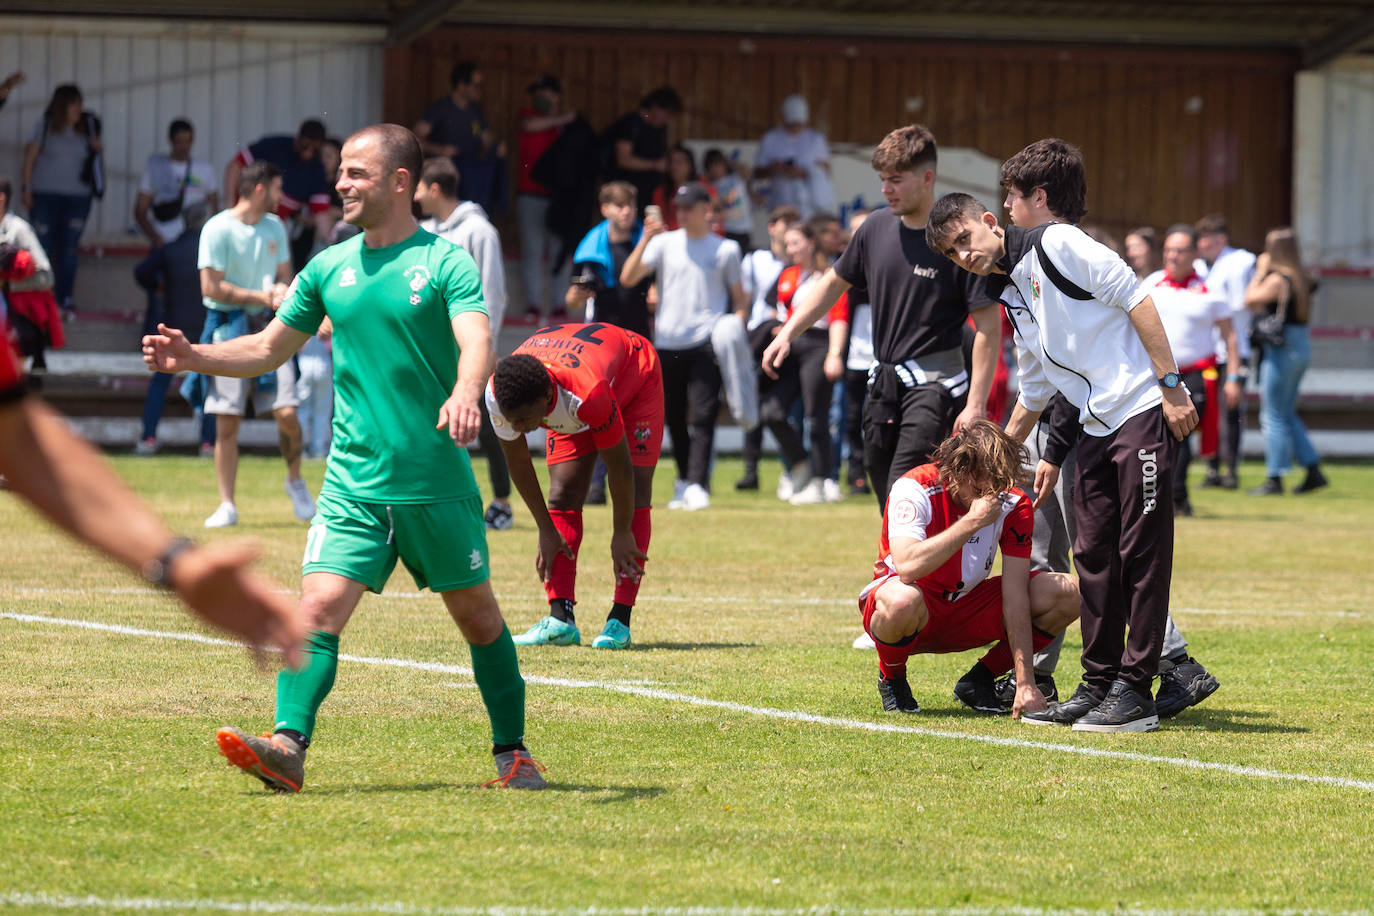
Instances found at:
x=1182 y=684
x=978 y=691
x=1124 y=709
x=1006 y=688
x=896 y=695
x=1083 y=701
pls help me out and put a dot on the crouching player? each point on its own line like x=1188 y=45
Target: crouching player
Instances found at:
x=930 y=591
x=598 y=390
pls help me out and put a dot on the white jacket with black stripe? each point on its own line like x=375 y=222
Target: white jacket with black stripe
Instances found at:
x=1072 y=326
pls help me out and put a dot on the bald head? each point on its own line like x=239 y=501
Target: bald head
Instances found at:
x=395 y=146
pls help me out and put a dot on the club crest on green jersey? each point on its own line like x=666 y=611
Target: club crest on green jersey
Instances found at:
x=419 y=277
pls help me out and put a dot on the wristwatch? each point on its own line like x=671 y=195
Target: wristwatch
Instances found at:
x=1169 y=380
x=158 y=571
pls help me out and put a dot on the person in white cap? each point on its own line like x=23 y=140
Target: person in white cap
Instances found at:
x=795 y=159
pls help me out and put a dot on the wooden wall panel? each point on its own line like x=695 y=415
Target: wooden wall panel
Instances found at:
x=1154 y=155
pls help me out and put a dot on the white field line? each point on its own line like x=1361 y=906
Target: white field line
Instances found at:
x=765 y=712
x=839 y=601
x=58 y=902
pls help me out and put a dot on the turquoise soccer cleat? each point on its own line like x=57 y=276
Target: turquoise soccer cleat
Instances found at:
x=615 y=635
x=550 y=632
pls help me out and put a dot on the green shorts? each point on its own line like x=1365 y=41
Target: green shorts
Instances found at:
x=443 y=544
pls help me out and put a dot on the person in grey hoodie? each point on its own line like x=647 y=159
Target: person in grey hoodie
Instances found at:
x=465 y=224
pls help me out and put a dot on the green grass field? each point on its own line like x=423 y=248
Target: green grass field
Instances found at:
x=736 y=761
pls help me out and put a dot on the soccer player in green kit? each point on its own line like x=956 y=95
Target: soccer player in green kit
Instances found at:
x=397 y=484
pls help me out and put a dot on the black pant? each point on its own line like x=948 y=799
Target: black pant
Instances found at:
x=1198 y=392
x=1228 y=449
x=855 y=386
x=927 y=416
x=691 y=403
x=810 y=349
x=1124 y=548
x=496 y=459
x=775 y=398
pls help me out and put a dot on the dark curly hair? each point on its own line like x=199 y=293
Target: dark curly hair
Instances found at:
x=981 y=453
x=520 y=381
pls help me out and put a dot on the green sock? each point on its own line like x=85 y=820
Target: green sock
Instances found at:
x=497 y=672
x=300 y=693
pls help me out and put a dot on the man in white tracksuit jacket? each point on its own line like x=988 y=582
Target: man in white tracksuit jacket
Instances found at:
x=1084 y=327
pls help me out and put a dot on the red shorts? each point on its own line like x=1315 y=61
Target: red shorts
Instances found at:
x=640 y=399
x=956 y=626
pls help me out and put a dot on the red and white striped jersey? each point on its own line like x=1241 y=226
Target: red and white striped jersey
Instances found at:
x=918 y=507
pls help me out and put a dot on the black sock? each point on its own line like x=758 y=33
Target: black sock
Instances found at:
x=562 y=609
x=620 y=612
x=904 y=641
x=503 y=748
x=301 y=741
x=979 y=673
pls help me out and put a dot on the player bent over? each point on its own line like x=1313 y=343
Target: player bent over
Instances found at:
x=397 y=487
x=598 y=390
x=930 y=592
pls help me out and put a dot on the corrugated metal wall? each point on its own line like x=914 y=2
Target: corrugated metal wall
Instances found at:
x=235 y=81
x=1169 y=134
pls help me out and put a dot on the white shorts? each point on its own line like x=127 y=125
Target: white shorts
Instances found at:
x=229 y=396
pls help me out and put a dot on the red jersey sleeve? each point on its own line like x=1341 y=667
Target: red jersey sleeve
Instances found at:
x=1016 y=530
x=11 y=378
x=840 y=310
x=602 y=416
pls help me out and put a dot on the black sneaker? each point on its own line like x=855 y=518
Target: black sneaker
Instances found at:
x=750 y=481
x=1211 y=479
x=1182 y=684
x=977 y=690
x=499 y=518
x=896 y=695
x=1006 y=688
x=1229 y=481
x=1314 y=480
x=1083 y=701
x=1124 y=709
x=1272 y=486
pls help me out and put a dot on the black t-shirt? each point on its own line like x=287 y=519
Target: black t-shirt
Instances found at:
x=646 y=142
x=625 y=307
x=920 y=299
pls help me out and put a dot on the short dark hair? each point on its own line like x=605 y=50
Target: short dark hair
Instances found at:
x=461 y=73
x=617 y=192
x=178 y=126
x=819 y=221
x=255 y=173
x=664 y=97
x=6 y=189
x=788 y=212
x=400 y=149
x=311 y=129
x=905 y=150
x=714 y=155
x=1182 y=229
x=947 y=212
x=440 y=170
x=1212 y=224
x=519 y=381
x=1057 y=167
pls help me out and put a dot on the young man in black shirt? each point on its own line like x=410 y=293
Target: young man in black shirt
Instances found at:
x=597 y=262
x=918 y=388
x=639 y=143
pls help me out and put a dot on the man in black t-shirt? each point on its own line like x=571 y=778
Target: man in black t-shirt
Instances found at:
x=455 y=126
x=918 y=387
x=598 y=260
x=639 y=143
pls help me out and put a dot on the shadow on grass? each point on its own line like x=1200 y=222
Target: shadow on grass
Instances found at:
x=690 y=646
x=612 y=793
x=1212 y=718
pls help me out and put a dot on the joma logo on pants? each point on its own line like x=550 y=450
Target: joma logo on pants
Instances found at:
x=1149 y=472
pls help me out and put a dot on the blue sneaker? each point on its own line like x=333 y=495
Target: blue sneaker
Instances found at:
x=550 y=632
x=614 y=635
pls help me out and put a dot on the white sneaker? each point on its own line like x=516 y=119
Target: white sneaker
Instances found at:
x=864 y=641
x=679 y=488
x=813 y=494
x=301 y=502
x=785 y=487
x=695 y=497
x=831 y=489
x=223 y=517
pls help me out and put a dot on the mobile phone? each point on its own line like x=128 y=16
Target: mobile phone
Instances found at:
x=583 y=280
x=653 y=211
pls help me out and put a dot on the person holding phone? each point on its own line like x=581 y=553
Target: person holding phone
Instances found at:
x=595 y=291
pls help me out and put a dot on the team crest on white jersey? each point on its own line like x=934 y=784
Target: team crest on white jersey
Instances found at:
x=419 y=279
x=348 y=277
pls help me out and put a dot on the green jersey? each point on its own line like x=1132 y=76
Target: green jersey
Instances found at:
x=395 y=363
